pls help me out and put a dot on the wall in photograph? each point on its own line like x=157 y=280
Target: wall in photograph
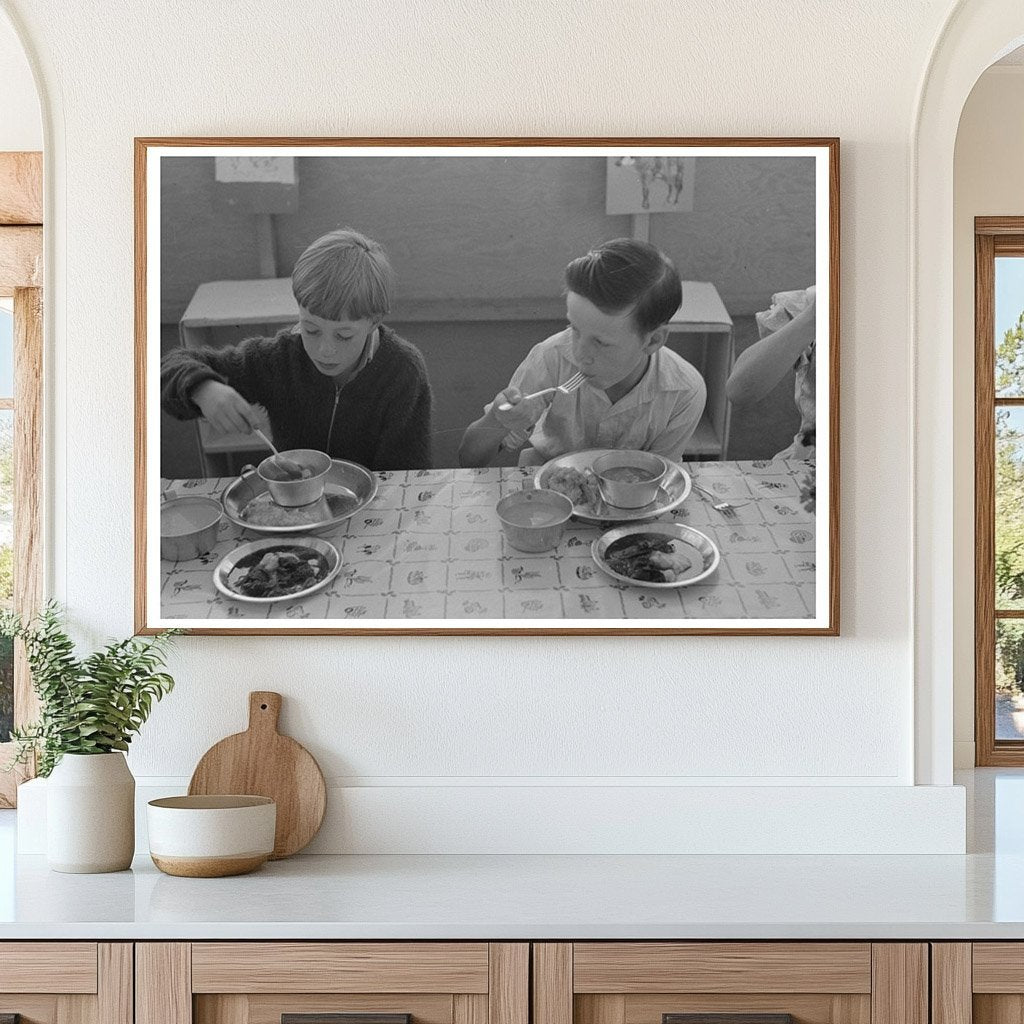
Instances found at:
x=825 y=718
x=514 y=236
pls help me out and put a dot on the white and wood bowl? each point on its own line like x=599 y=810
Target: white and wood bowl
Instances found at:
x=211 y=836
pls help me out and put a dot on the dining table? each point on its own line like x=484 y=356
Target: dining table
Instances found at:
x=430 y=546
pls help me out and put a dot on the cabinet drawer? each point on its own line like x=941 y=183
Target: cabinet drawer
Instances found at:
x=730 y=983
x=66 y=982
x=633 y=967
x=340 y=967
x=981 y=982
x=332 y=983
x=64 y=967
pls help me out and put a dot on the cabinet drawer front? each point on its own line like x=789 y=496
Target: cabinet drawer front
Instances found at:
x=339 y=967
x=633 y=967
x=816 y=1008
x=998 y=967
x=59 y=967
x=270 y=1009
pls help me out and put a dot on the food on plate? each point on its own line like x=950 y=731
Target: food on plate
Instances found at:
x=264 y=511
x=278 y=572
x=580 y=488
x=652 y=558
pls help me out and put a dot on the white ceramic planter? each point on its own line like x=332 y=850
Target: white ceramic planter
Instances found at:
x=90 y=814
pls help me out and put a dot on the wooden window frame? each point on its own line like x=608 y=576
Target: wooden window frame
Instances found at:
x=993 y=237
x=21 y=278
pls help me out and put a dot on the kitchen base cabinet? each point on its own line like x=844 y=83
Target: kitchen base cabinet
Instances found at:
x=332 y=983
x=978 y=983
x=750 y=982
x=66 y=982
x=511 y=983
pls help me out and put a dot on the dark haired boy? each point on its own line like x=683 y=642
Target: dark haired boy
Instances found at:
x=637 y=394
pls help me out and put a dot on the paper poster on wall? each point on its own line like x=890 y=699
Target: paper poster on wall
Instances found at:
x=476 y=398
x=650 y=184
x=277 y=169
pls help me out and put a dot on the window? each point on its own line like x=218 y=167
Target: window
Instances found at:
x=6 y=510
x=21 y=363
x=999 y=490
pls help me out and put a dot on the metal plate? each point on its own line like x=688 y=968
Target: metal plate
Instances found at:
x=701 y=543
x=673 y=492
x=349 y=488
x=231 y=562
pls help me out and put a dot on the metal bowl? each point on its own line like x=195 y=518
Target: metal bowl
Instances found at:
x=304 y=491
x=629 y=479
x=249 y=554
x=188 y=526
x=704 y=547
x=348 y=489
x=675 y=489
x=534 y=520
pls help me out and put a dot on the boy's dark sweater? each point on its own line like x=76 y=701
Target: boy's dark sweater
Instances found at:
x=383 y=414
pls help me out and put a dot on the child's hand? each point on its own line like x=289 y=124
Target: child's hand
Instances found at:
x=523 y=414
x=224 y=408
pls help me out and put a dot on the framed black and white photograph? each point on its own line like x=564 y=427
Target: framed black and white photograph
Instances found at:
x=487 y=386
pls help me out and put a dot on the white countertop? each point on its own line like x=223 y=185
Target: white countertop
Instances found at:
x=977 y=896
x=517 y=897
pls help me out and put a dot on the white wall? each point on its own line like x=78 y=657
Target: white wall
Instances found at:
x=21 y=127
x=987 y=182
x=458 y=712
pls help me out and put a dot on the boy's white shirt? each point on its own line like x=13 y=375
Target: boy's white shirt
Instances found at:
x=660 y=414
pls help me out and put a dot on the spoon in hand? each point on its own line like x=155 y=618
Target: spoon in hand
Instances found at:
x=286 y=465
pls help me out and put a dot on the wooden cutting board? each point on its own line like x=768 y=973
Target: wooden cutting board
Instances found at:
x=262 y=762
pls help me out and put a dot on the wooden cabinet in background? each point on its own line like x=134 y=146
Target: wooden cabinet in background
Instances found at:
x=978 y=983
x=311 y=983
x=494 y=983
x=757 y=982
x=66 y=982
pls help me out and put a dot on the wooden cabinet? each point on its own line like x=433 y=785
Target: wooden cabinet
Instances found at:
x=758 y=982
x=980 y=982
x=66 y=982
x=308 y=982
x=512 y=983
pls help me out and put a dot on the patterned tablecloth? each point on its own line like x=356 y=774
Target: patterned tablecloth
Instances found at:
x=430 y=546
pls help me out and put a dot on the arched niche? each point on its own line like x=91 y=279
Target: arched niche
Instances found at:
x=975 y=35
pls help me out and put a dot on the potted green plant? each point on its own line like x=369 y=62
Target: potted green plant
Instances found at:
x=89 y=710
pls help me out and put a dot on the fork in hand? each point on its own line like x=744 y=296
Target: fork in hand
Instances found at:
x=567 y=388
x=516 y=438
x=728 y=510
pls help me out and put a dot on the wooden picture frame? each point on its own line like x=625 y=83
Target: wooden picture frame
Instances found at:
x=454 y=213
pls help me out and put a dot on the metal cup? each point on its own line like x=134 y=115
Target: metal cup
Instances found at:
x=188 y=526
x=534 y=520
x=292 y=493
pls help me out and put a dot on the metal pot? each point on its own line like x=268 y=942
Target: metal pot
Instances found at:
x=305 y=491
x=188 y=526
